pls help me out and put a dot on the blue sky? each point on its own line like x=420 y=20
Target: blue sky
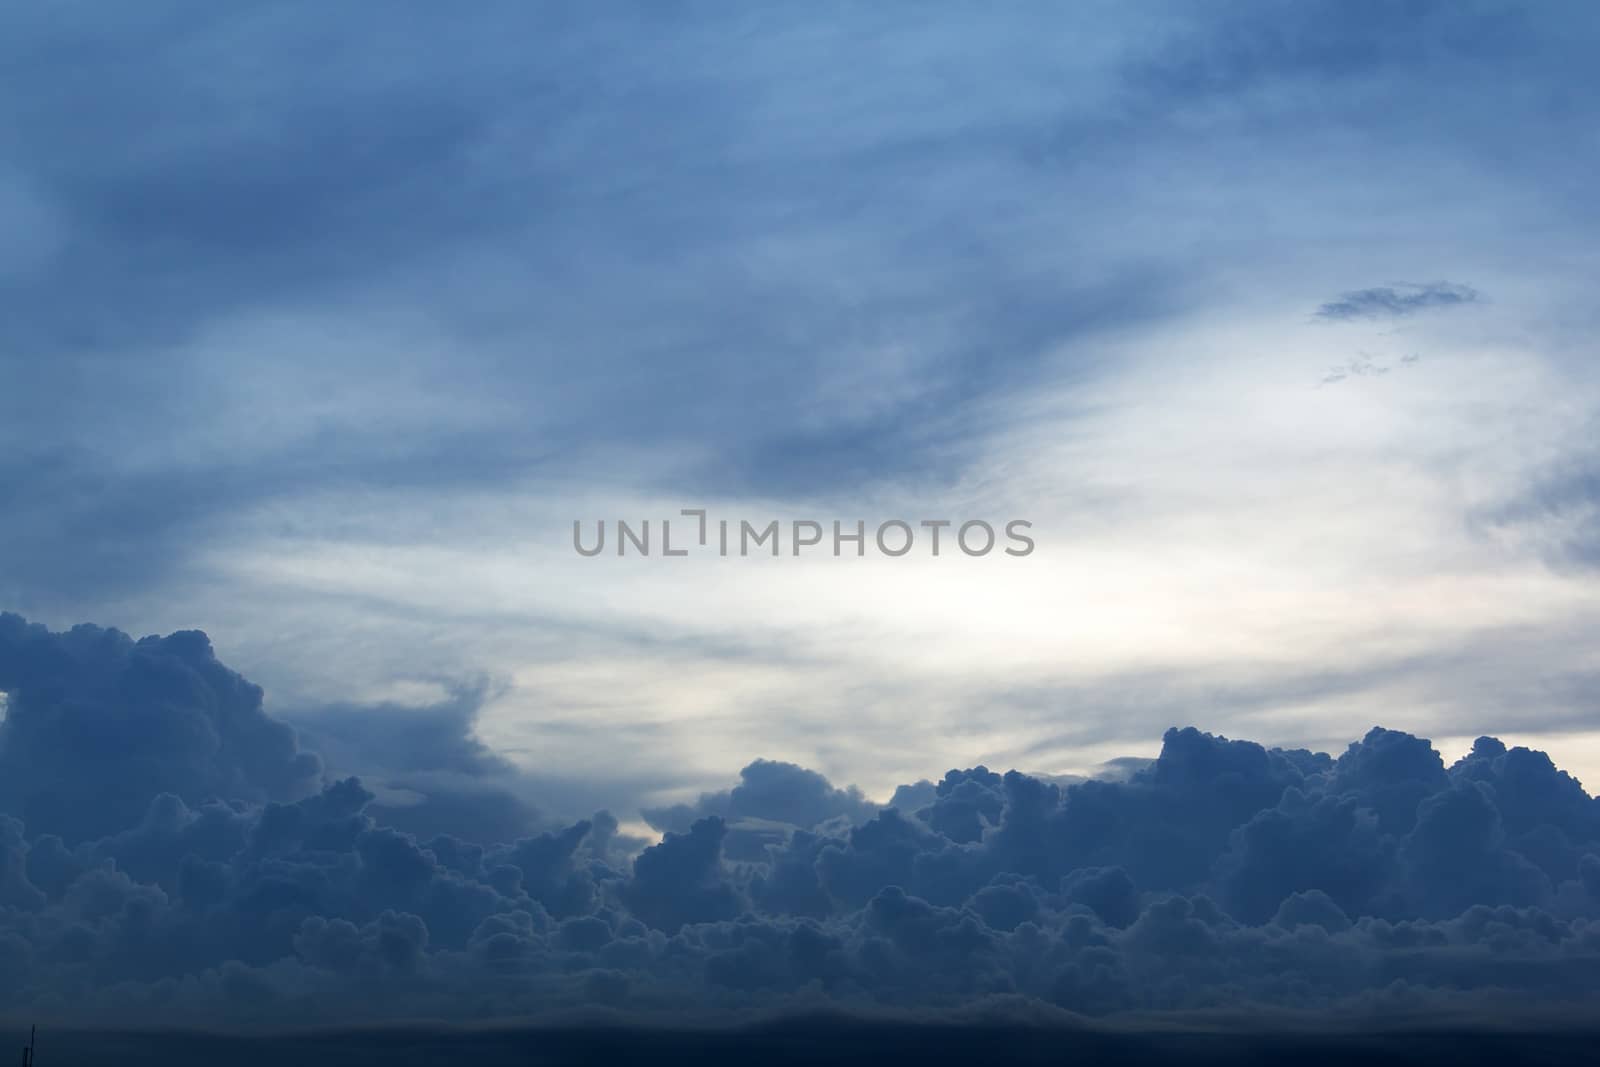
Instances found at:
x=321 y=326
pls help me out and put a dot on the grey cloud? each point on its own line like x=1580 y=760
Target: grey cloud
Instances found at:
x=1249 y=48
x=1221 y=872
x=431 y=772
x=1393 y=301
x=797 y=292
x=97 y=722
x=772 y=791
x=1558 y=511
x=625 y=225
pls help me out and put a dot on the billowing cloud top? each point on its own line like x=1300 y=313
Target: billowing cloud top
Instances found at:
x=221 y=878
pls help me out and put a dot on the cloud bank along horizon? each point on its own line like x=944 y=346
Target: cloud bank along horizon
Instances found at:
x=171 y=852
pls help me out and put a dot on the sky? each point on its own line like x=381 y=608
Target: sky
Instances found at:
x=322 y=326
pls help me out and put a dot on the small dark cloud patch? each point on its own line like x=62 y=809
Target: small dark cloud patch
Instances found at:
x=1399 y=299
x=1363 y=366
x=1366 y=365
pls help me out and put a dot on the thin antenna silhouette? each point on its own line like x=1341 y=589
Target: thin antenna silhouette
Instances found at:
x=27 y=1050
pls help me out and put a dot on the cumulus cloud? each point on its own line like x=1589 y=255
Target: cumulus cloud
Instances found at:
x=1392 y=301
x=97 y=723
x=1222 y=874
x=430 y=771
x=770 y=795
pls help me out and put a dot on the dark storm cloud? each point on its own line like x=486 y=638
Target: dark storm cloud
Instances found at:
x=434 y=774
x=97 y=723
x=1393 y=301
x=434 y=736
x=183 y=882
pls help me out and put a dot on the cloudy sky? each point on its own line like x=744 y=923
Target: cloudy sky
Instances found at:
x=321 y=326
